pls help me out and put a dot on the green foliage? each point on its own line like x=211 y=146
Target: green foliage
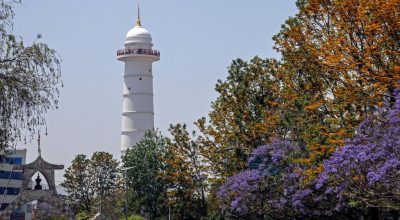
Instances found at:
x=78 y=185
x=29 y=81
x=93 y=182
x=104 y=174
x=244 y=115
x=146 y=188
x=82 y=216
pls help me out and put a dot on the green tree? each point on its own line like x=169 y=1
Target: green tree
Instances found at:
x=94 y=184
x=82 y=216
x=105 y=181
x=147 y=190
x=29 y=81
x=78 y=186
x=244 y=116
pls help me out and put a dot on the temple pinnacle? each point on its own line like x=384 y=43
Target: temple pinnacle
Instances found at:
x=138 y=21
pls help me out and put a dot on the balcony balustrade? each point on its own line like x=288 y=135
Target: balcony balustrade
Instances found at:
x=138 y=52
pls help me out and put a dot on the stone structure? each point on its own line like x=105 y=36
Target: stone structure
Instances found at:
x=28 y=194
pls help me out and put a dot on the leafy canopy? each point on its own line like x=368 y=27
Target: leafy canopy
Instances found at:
x=29 y=81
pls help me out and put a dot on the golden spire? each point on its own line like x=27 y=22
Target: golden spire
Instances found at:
x=138 y=22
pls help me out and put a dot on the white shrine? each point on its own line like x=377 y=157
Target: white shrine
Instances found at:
x=138 y=108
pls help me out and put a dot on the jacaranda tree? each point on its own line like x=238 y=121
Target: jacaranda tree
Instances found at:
x=365 y=172
x=260 y=192
x=360 y=179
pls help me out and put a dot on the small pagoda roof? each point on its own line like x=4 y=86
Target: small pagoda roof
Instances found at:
x=41 y=164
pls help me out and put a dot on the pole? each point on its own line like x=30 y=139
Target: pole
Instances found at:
x=126 y=194
x=169 y=190
x=100 y=172
x=126 y=190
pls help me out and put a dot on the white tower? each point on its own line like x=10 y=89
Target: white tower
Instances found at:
x=137 y=109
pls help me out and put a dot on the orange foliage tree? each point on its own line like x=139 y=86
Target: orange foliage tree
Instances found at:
x=185 y=174
x=348 y=52
x=340 y=61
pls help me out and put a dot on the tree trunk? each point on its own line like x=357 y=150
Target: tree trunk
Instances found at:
x=373 y=214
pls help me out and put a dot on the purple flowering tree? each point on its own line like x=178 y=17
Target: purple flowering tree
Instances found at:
x=240 y=194
x=365 y=173
x=259 y=191
x=360 y=180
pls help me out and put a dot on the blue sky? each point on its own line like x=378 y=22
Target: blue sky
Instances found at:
x=197 y=41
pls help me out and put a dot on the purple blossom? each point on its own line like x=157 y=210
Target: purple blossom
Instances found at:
x=241 y=189
x=367 y=166
x=270 y=159
x=365 y=169
x=241 y=193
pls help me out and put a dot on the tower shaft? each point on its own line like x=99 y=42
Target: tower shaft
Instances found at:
x=137 y=107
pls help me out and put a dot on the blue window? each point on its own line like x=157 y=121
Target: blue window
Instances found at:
x=17 y=216
x=10 y=175
x=9 y=191
x=3 y=206
x=12 y=160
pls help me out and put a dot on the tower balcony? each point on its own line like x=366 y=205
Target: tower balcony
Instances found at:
x=149 y=52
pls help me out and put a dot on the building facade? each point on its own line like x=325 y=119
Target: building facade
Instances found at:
x=11 y=182
x=138 y=107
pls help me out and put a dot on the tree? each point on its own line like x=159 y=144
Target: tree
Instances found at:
x=147 y=188
x=259 y=102
x=364 y=173
x=186 y=174
x=340 y=64
x=263 y=191
x=105 y=181
x=359 y=180
x=78 y=186
x=245 y=114
x=347 y=53
x=93 y=185
x=29 y=81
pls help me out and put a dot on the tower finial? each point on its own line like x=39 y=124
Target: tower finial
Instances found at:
x=138 y=22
